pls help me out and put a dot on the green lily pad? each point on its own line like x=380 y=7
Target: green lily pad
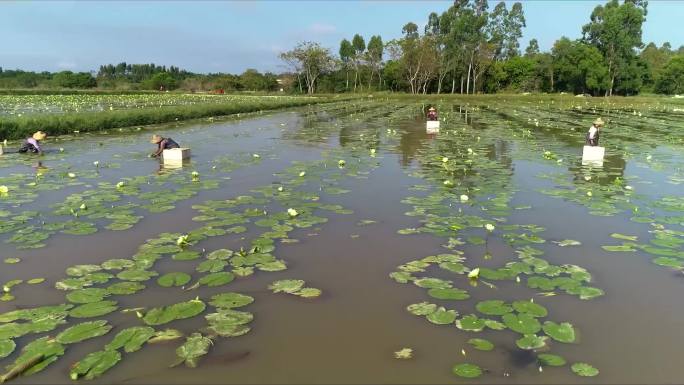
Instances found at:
x=174 y=279
x=563 y=332
x=125 y=288
x=136 y=275
x=35 y=281
x=584 y=370
x=631 y=238
x=521 y=323
x=442 y=316
x=6 y=348
x=481 y=344
x=423 y=308
x=211 y=266
x=230 y=300
x=493 y=307
x=83 y=331
x=669 y=262
x=432 y=283
x=48 y=348
x=165 y=335
x=309 y=292
x=289 y=286
x=568 y=242
x=11 y=261
x=531 y=342
x=81 y=270
x=551 y=360
x=470 y=323
x=94 y=364
x=272 y=266
x=93 y=309
x=87 y=295
x=217 y=279
x=531 y=308
x=187 y=255
x=131 y=339
x=195 y=346
x=117 y=264
x=467 y=370
x=181 y=310
x=449 y=294
x=618 y=248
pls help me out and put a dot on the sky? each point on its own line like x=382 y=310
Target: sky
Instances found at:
x=231 y=36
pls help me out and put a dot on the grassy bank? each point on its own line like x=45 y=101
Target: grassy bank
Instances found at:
x=59 y=124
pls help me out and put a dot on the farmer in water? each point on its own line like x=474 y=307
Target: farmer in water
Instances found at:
x=162 y=144
x=594 y=132
x=432 y=114
x=32 y=144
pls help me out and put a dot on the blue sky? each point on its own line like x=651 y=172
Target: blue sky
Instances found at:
x=230 y=36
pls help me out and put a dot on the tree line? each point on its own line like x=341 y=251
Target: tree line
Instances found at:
x=470 y=48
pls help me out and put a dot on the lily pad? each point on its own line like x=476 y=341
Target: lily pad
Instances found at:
x=423 y=308
x=174 y=279
x=521 y=323
x=125 y=288
x=6 y=348
x=131 y=339
x=470 y=323
x=230 y=300
x=48 y=348
x=94 y=364
x=87 y=295
x=449 y=294
x=432 y=283
x=136 y=275
x=11 y=261
x=563 y=332
x=309 y=292
x=531 y=342
x=195 y=346
x=442 y=316
x=493 y=307
x=217 y=279
x=467 y=370
x=83 y=331
x=93 y=309
x=481 y=344
x=165 y=335
x=551 y=360
x=584 y=370
x=531 y=308
x=289 y=286
x=182 y=310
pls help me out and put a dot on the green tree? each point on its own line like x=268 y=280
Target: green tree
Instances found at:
x=310 y=60
x=346 y=56
x=579 y=67
x=671 y=78
x=615 y=29
x=532 y=48
x=359 y=45
x=160 y=79
x=374 y=58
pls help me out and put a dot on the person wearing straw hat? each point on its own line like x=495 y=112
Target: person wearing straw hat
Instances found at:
x=32 y=144
x=432 y=114
x=592 y=138
x=162 y=144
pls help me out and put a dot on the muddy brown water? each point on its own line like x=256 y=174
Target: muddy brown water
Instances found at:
x=633 y=333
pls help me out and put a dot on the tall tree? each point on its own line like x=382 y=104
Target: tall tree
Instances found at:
x=346 y=56
x=374 y=58
x=359 y=47
x=532 y=48
x=311 y=60
x=615 y=29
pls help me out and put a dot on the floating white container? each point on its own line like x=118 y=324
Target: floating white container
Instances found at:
x=593 y=155
x=176 y=155
x=432 y=124
x=431 y=131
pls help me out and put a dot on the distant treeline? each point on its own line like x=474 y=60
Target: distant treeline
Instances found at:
x=125 y=76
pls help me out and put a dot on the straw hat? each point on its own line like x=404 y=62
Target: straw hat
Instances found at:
x=599 y=122
x=431 y=109
x=39 y=135
x=155 y=139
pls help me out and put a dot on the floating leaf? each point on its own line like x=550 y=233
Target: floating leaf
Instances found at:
x=11 y=261
x=217 y=279
x=423 y=308
x=584 y=370
x=35 y=281
x=442 y=316
x=631 y=238
x=83 y=331
x=47 y=349
x=6 y=348
x=165 y=335
x=94 y=364
x=568 y=242
x=87 y=295
x=531 y=342
x=125 y=288
x=563 y=332
x=230 y=300
x=551 y=360
x=622 y=248
x=94 y=309
x=131 y=339
x=467 y=370
x=289 y=286
x=449 y=294
x=182 y=310
x=481 y=344
x=195 y=346
x=309 y=292
x=136 y=275
x=521 y=323
x=173 y=279
x=404 y=354
x=531 y=308
x=470 y=323
x=432 y=283
x=493 y=307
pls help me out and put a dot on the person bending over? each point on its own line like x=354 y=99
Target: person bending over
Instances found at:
x=32 y=144
x=162 y=144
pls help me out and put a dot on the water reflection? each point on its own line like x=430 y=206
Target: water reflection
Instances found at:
x=413 y=138
x=612 y=171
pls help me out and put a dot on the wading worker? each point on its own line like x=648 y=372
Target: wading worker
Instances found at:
x=32 y=144
x=594 y=132
x=432 y=114
x=162 y=144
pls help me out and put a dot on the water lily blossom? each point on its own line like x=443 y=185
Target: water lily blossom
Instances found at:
x=71 y=175
x=475 y=273
x=464 y=198
x=302 y=173
x=182 y=240
x=4 y=189
x=292 y=212
x=445 y=159
x=490 y=227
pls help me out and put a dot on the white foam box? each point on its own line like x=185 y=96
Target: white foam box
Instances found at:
x=431 y=124
x=176 y=155
x=432 y=131
x=593 y=154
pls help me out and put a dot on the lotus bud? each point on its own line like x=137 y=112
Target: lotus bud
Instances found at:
x=292 y=212
x=341 y=162
x=372 y=151
x=490 y=227
x=280 y=188
x=4 y=189
x=474 y=274
x=589 y=193
x=84 y=207
x=445 y=159
x=302 y=173
x=120 y=184
x=629 y=188
x=464 y=198
x=71 y=175
x=61 y=149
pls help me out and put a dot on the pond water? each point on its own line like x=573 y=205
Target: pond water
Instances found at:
x=387 y=216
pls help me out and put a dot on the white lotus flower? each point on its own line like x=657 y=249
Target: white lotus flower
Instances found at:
x=649 y=157
x=404 y=354
x=84 y=207
x=372 y=151
x=341 y=162
x=302 y=173
x=448 y=183
x=4 y=189
x=120 y=184
x=182 y=240
x=587 y=178
x=629 y=188
x=445 y=159
x=280 y=188
x=195 y=175
x=470 y=150
x=256 y=156
x=61 y=149
x=71 y=175
x=474 y=273
x=464 y=198
x=490 y=227
x=589 y=193
x=96 y=163
x=292 y=212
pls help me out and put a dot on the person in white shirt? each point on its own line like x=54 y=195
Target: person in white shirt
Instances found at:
x=592 y=138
